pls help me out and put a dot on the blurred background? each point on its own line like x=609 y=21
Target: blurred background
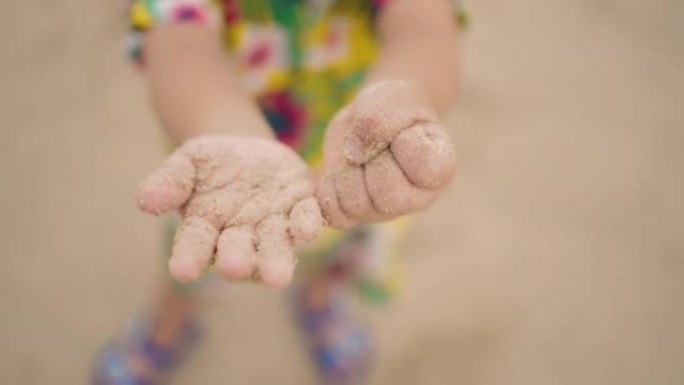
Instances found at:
x=556 y=258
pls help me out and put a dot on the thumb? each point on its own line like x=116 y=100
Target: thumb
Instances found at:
x=379 y=113
x=169 y=187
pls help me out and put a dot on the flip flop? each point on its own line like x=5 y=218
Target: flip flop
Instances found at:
x=338 y=342
x=116 y=363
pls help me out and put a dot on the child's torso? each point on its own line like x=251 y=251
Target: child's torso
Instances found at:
x=302 y=60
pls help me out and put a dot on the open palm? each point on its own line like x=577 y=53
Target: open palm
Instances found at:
x=245 y=202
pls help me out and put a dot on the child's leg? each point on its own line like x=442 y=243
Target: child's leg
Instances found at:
x=158 y=337
x=154 y=341
x=170 y=313
x=338 y=338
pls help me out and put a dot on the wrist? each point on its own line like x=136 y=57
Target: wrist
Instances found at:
x=229 y=121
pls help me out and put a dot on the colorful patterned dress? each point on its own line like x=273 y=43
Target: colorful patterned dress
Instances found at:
x=302 y=60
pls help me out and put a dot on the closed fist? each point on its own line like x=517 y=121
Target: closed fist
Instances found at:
x=385 y=155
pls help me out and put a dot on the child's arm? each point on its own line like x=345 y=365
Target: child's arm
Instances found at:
x=386 y=154
x=245 y=199
x=194 y=86
x=419 y=42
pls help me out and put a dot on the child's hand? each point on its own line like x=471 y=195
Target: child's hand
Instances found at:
x=385 y=155
x=239 y=197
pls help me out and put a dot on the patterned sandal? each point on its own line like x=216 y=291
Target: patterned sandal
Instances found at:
x=133 y=359
x=338 y=342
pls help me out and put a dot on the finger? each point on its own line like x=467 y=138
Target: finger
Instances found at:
x=169 y=187
x=426 y=155
x=379 y=113
x=276 y=257
x=389 y=189
x=235 y=254
x=338 y=128
x=330 y=205
x=354 y=200
x=193 y=248
x=306 y=220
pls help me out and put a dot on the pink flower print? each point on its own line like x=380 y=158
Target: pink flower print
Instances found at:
x=332 y=48
x=286 y=116
x=231 y=11
x=333 y=38
x=262 y=53
x=189 y=13
x=259 y=54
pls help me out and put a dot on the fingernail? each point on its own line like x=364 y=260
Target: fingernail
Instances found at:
x=432 y=129
x=277 y=274
x=352 y=148
x=182 y=269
